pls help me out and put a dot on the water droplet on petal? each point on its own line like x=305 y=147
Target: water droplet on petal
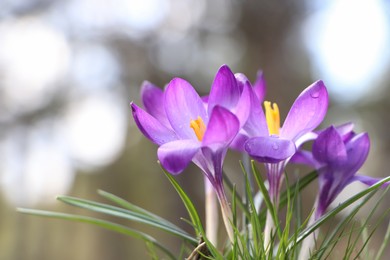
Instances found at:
x=275 y=146
x=315 y=93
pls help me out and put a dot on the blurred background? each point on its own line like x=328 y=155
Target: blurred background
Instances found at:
x=69 y=69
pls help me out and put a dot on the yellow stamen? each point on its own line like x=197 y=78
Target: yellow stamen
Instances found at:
x=199 y=127
x=273 y=118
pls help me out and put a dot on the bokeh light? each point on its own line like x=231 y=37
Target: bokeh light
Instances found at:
x=349 y=45
x=33 y=58
x=34 y=166
x=94 y=130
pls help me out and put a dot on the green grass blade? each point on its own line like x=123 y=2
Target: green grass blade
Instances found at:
x=349 y=248
x=240 y=201
x=255 y=223
x=126 y=214
x=283 y=243
x=195 y=219
x=386 y=240
x=372 y=233
x=298 y=220
x=370 y=215
x=330 y=240
x=129 y=206
x=101 y=223
x=339 y=208
x=267 y=199
x=298 y=186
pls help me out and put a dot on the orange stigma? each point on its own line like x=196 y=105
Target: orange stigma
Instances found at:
x=199 y=127
x=273 y=117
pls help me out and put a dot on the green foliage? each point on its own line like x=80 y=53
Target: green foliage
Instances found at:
x=249 y=222
x=101 y=223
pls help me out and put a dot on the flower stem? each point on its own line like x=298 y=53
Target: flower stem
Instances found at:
x=309 y=242
x=227 y=215
x=275 y=179
x=268 y=230
x=211 y=212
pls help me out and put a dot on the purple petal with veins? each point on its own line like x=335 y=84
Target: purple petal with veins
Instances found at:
x=151 y=127
x=307 y=112
x=224 y=91
x=175 y=156
x=183 y=104
x=270 y=149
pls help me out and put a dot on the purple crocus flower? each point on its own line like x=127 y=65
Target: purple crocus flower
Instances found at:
x=256 y=96
x=259 y=86
x=337 y=154
x=152 y=98
x=267 y=142
x=188 y=130
x=177 y=118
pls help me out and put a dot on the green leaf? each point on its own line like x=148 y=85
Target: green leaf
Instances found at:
x=239 y=200
x=386 y=240
x=339 y=208
x=372 y=232
x=286 y=231
x=101 y=223
x=126 y=214
x=255 y=223
x=194 y=216
x=297 y=187
x=127 y=205
x=267 y=199
x=329 y=241
x=365 y=224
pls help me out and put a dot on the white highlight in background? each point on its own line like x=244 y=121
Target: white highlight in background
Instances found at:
x=33 y=57
x=34 y=169
x=349 y=44
x=95 y=129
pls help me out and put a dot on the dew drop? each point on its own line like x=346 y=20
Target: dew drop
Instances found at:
x=315 y=93
x=275 y=146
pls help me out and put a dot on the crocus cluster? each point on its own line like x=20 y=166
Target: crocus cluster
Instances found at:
x=189 y=128
x=337 y=154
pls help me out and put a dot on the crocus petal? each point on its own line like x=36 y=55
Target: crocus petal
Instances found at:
x=175 y=156
x=153 y=100
x=151 y=127
x=369 y=180
x=306 y=158
x=270 y=149
x=222 y=128
x=183 y=104
x=307 y=112
x=327 y=191
x=345 y=130
x=256 y=125
x=243 y=107
x=357 y=150
x=238 y=142
x=224 y=90
x=309 y=136
x=259 y=86
x=329 y=147
x=241 y=80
